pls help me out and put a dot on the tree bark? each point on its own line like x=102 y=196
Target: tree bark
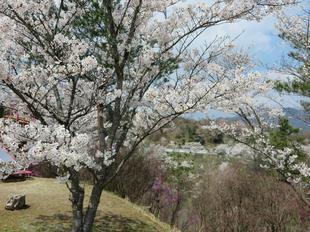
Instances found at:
x=176 y=210
x=92 y=206
x=77 y=199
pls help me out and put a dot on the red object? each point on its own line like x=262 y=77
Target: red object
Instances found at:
x=26 y=173
x=9 y=158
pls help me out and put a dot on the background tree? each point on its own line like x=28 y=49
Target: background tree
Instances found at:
x=180 y=169
x=295 y=30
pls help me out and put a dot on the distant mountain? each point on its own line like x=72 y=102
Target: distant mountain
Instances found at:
x=294 y=116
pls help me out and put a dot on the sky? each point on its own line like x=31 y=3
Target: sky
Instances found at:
x=261 y=41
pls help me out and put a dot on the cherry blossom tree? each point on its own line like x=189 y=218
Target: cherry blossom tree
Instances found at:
x=104 y=75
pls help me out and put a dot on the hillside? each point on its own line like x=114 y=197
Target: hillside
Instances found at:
x=294 y=115
x=49 y=210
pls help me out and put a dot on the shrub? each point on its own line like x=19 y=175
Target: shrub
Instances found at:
x=44 y=169
x=239 y=199
x=138 y=175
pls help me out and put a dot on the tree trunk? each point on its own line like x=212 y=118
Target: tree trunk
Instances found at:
x=77 y=199
x=176 y=211
x=92 y=207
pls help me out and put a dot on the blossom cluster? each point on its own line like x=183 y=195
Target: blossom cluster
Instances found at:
x=284 y=160
x=35 y=143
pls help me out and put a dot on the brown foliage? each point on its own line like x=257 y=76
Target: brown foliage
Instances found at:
x=136 y=177
x=239 y=199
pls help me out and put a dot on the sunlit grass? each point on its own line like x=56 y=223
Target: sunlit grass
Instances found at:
x=49 y=210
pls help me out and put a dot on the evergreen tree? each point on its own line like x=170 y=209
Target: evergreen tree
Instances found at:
x=295 y=31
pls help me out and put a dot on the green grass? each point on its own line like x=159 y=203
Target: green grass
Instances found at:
x=49 y=210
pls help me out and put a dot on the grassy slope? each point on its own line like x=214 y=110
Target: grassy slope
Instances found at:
x=49 y=210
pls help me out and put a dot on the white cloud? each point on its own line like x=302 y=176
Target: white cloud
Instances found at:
x=260 y=39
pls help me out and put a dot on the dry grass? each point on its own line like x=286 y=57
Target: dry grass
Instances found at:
x=49 y=210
